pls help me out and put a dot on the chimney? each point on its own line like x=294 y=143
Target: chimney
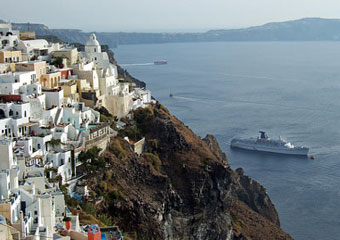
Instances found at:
x=22 y=224
x=94 y=233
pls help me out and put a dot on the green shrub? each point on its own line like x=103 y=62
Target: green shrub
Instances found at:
x=152 y=145
x=72 y=202
x=54 y=142
x=107 y=176
x=89 y=208
x=105 y=219
x=91 y=159
x=104 y=118
x=132 y=132
x=117 y=149
x=153 y=159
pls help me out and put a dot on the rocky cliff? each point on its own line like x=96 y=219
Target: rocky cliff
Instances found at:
x=181 y=187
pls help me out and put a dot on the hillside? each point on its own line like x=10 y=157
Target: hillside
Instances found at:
x=181 y=187
x=307 y=29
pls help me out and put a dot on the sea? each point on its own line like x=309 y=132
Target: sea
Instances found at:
x=236 y=89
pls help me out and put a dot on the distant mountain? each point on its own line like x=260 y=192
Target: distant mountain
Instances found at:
x=307 y=29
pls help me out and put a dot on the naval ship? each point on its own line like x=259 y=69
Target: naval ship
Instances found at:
x=265 y=144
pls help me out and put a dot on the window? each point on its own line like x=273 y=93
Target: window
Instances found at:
x=25 y=114
x=35 y=212
x=69 y=159
x=17 y=113
x=62 y=162
x=38 y=146
x=95 y=50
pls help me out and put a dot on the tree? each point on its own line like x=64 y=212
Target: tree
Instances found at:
x=58 y=62
x=91 y=159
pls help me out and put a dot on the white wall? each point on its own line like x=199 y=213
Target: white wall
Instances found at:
x=4 y=184
x=6 y=150
x=62 y=161
x=40 y=143
x=54 y=98
x=59 y=202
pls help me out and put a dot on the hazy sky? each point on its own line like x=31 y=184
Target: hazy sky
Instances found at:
x=163 y=15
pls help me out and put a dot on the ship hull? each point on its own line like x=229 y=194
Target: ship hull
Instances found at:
x=160 y=62
x=300 y=151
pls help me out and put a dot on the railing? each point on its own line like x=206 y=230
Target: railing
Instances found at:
x=92 y=141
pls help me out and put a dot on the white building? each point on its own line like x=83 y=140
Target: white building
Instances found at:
x=94 y=53
x=79 y=115
x=39 y=48
x=15 y=83
x=14 y=119
x=54 y=97
x=8 y=37
x=61 y=161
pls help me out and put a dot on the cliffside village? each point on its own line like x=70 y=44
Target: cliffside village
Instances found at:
x=48 y=96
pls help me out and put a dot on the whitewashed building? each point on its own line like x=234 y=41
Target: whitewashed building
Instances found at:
x=9 y=38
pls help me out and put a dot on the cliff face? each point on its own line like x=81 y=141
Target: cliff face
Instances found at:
x=181 y=188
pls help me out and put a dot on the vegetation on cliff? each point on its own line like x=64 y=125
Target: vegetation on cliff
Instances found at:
x=181 y=187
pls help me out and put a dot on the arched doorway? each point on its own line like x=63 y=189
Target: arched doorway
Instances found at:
x=2 y=114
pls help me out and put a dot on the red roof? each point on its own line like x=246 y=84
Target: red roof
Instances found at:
x=10 y=98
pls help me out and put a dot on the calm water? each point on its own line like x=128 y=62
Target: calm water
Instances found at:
x=235 y=89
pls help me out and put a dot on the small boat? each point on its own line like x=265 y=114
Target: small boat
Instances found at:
x=265 y=144
x=160 y=62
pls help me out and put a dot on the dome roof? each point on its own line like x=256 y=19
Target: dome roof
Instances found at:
x=92 y=41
